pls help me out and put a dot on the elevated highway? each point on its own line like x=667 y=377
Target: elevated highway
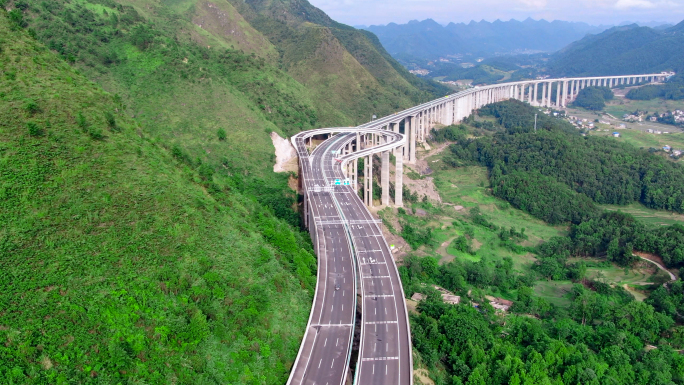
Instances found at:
x=356 y=269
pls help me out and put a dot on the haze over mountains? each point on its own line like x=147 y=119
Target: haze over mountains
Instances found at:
x=429 y=40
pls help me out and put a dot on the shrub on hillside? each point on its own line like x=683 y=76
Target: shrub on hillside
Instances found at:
x=594 y=98
x=34 y=129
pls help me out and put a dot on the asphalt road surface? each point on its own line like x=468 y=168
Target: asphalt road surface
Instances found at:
x=325 y=351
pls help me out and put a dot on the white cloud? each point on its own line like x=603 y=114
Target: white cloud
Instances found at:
x=627 y=4
x=536 y=4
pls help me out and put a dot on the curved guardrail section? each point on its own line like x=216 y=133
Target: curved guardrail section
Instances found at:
x=333 y=211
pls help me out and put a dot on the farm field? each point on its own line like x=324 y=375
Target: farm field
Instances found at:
x=656 y=217
x=645 y=140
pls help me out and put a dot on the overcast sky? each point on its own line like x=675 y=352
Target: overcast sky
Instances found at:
x=369 y=12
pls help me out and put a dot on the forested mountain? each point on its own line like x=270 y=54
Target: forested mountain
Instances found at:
x=124 y=259
x=559 y=176
x=620 y=51
x=143 y=235
x=188 y=68
x=430 y=40
x=601 y=334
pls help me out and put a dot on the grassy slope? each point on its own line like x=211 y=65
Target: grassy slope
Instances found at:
x=181 y=91
x=347 y=70
x=117 y=262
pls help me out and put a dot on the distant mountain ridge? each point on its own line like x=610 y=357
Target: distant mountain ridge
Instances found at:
x=430 y=40
x=622 y=50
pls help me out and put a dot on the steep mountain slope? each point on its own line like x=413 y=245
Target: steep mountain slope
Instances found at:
x=345 y=68
x=188 y=68
x=620 y=51
x=429 y=40
x=124 y=262
x=181 y=91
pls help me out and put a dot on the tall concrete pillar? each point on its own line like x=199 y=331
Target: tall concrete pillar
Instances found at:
x=399 y=183
x=558 y=95
x=384 y=177
x=565 y=94
x=529 y=93
x=536 y=87
x=368 y=180
x=306 y=207
x=356 y=164
x=412 y=146
x=543 y=101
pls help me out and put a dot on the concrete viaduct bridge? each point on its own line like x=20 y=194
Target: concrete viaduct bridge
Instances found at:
x=356 y=270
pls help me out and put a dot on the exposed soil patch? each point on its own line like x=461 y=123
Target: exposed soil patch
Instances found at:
x=422 y=187
x=421 y=377
x=286 y=155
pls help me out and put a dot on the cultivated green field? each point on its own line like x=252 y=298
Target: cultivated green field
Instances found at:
x=656 y=217
x=645 y=140
x=620 y=106
x=554 y=291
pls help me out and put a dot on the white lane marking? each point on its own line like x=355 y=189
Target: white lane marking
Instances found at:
x=380 y=359
x=325 y=343
x=333 y=363
x=375 y=345
x=385 y=311
x=337 y=342
x=320 y=362
x=385 y=369
x=330 y=325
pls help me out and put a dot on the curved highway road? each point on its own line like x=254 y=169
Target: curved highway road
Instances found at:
x=354 y=260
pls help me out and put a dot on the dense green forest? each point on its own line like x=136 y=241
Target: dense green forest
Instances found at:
x=623 y=50
x=606 y=171
x=673 y=89
x=603 y=335
x=593 y=98
x=600 y=339
x=480 y=74
x=559 y=176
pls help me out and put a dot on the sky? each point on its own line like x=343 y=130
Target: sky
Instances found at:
x=596 y=12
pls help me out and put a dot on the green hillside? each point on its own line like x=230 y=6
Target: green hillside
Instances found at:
x=187 y=68
x=125 y=262
x=625 y=50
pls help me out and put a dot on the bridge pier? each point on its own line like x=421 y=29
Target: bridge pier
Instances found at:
x=368 y=180
x=412 y=139
x=384 y=177
x=399 y=182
